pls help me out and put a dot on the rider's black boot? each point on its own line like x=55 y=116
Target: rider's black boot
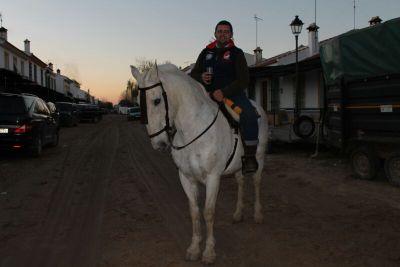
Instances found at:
x=249 y=161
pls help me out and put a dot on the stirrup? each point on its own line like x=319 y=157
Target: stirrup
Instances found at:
x=249 y=165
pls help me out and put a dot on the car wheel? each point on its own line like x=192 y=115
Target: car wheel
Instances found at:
x=37 y=147
x=364 y=162
x=392 y=169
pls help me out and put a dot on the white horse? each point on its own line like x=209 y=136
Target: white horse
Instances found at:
x=202 y=144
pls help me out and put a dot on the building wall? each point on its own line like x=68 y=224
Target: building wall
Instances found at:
x=1 y=57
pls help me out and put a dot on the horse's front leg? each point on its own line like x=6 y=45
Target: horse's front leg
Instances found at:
x=258 y=216
x=238 y=215
x=212 y=187
x=191 y=190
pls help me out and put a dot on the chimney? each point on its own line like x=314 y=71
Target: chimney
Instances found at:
x=51 y=66
x=27 y=47
x=313 y=46
x=257 y=55
x=375 y=21
x=58 y=71
x=3 y=34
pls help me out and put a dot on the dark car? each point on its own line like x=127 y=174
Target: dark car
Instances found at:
x=26 y=123
x=133 y=113
x=69 y=114
x=89 y=112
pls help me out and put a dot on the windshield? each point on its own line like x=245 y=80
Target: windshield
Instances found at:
x=12 y=105
x=135 y=109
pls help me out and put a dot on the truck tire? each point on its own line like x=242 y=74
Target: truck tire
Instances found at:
x=304 y=127
x=364 y=162
x=392 y=168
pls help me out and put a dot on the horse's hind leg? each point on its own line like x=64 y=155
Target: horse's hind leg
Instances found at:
x=191 y=190
x=258 y=216
x=238 y=216
x=212 y=186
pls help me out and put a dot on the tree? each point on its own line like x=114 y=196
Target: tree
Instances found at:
x=131 y=92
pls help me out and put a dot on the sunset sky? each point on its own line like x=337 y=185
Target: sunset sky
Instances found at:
x=95 y=41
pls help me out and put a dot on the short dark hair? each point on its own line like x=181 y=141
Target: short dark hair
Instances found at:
x=224 y=22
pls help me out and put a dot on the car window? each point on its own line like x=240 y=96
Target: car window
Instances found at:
x=45 y=109
x=40 y=108
x=51 y=107
x=12 y=105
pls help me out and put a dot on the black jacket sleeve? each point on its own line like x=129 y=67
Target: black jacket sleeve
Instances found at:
x=242 y=77
x=198 y=67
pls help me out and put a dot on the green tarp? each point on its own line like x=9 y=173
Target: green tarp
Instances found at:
x=357 y=54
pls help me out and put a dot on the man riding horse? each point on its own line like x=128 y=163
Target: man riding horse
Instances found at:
x=222 y=68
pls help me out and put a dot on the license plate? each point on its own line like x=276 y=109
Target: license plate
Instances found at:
x=3 y=130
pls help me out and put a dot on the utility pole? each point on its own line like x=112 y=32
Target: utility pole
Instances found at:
x=257 y=19
x=1 y=20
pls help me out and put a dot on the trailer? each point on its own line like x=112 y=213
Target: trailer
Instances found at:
x=361 y=70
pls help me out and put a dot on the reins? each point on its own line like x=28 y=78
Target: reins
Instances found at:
x=167 y=128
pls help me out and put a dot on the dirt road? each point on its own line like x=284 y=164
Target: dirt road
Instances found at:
x=104 y=198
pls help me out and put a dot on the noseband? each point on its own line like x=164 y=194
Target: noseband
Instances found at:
x=167 y=128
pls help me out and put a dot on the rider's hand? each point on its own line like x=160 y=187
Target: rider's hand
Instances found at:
x=206 y=77
x=218 y=95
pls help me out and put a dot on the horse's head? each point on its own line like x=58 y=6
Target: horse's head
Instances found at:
x=154 y=108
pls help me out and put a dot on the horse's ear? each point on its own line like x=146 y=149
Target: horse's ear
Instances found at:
x=153 y=72
x=135 y=72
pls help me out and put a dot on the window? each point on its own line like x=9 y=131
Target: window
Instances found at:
x=41 y=108
x=275 y=97
x=22 y=68
x=6 y=60
x=15 y=64
x=35 y=73
x=30 y=71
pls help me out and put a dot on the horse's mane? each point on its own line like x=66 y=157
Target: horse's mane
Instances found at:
x=176 y=75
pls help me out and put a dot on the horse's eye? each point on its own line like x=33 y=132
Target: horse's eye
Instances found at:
x=157 y=101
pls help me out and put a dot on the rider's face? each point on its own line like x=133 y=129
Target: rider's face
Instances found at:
x=223 y=34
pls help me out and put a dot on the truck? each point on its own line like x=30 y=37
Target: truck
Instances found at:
x=361 y=70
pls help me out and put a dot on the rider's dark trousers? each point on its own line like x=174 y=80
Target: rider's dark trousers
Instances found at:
x=248 y=119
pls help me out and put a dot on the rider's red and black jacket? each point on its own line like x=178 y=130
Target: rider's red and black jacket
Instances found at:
x=230 y=72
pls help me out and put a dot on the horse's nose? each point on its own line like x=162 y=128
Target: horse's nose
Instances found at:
x=163 y=146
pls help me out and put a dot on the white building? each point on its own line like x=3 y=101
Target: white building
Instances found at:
x=22 y=71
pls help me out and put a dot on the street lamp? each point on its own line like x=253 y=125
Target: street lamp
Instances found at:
x=296 y=26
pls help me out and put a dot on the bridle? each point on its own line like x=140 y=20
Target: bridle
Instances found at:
x=167 y=128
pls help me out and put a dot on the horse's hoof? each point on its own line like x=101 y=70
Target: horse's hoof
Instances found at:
x=192 y=255
x=209 y=258
x=258 y=218
x=237 y=217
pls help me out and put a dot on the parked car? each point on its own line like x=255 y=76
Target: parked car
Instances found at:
x=69 y=114
x=54 y=112
x=26 y=123
x=133 y=113
x=89 y=112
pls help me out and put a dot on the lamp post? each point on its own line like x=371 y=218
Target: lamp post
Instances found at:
x=296 y=26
